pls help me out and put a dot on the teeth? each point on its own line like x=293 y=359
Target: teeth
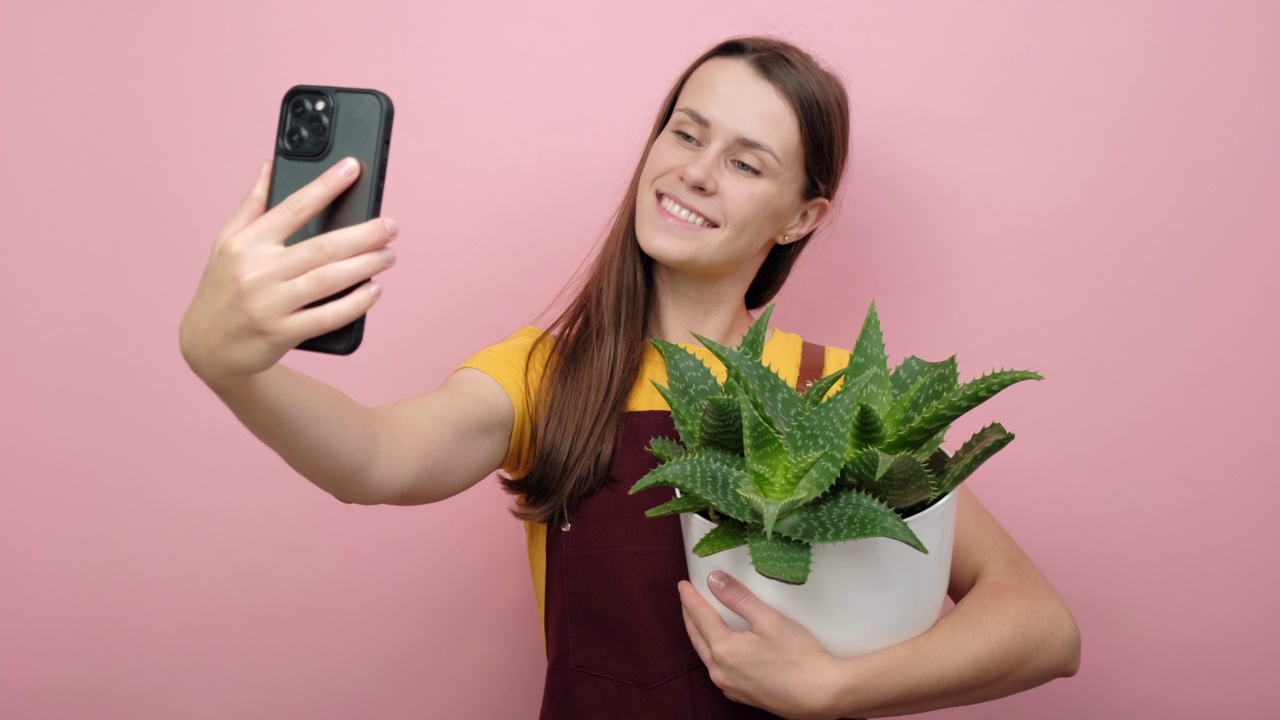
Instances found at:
x=683 y=213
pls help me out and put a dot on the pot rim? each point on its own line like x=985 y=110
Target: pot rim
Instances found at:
x=922 y=515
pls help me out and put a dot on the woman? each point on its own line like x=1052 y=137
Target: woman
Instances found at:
x=741 y=167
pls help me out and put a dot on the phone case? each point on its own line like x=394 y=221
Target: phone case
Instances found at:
x=359 y=125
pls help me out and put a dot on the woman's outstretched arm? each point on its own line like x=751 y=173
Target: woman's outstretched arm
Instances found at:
x=250 y=309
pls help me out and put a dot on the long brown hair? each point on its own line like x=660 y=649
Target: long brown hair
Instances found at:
x=597 y=342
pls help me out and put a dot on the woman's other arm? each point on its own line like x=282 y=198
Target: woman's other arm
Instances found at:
x=1008 y=632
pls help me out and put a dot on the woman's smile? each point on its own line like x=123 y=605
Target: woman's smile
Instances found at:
x=677 y=212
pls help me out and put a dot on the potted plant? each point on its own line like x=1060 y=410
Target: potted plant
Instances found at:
x=840 y=498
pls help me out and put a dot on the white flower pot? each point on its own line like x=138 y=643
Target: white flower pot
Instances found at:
x=861 y=595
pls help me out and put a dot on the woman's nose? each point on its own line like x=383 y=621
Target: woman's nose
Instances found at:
x=699 y=172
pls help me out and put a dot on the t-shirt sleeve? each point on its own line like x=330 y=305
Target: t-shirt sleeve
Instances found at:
x=505 y=362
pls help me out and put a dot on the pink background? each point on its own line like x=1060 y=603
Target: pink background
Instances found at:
x=1087 y=189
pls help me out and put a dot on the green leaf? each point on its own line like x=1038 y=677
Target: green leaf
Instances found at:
x=772 y=396
x=868 y=356
x=958 y=402
x=903 y=482
x=815 y=395
x=727 y=535
x=686 y=503
x=711 y=474
x=868 y=428
x=781 y=559
x=722 y=424
x=766 y=456
x=689 y=384
x=847 y=516
x=976 y=450
x=940 y=380
x=752 y=345
x=907 y=374
x=823 y=427
x=665 y=449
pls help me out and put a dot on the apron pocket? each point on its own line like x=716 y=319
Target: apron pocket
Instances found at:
x=624 y=613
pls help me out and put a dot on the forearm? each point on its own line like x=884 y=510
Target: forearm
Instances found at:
x=999 y=639
x=330 y=439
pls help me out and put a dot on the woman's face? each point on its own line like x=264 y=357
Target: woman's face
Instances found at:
x=723 y=180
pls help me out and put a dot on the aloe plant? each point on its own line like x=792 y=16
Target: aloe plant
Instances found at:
x=778 y=470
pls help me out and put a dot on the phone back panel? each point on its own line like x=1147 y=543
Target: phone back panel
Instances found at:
x=361 y=128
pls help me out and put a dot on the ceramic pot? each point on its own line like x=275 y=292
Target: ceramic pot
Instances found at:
x=861 y=595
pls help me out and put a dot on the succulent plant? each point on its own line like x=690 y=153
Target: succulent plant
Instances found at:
x=779 y=470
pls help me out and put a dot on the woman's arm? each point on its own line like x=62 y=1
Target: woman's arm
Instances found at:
x=1009 y=631
x=250 y=308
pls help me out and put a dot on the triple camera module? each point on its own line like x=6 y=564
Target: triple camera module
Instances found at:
x=306 y=131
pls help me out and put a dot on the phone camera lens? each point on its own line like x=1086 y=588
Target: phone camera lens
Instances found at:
x=317 y=124
x=299 y=107
x=295 y=138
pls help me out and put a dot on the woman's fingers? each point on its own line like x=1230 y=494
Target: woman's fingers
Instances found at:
x=295 y=211
x=318 y=320
x=253 y=205
x=335 y=245
x=328 y=279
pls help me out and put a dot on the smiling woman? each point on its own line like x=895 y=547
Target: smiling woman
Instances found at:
x=741 y=166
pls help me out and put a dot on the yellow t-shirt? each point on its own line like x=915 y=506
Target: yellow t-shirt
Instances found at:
x=505 y=363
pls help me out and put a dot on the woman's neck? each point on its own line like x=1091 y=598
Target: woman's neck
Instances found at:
x=716 y=313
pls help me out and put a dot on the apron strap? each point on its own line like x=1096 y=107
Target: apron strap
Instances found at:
x=812 y=359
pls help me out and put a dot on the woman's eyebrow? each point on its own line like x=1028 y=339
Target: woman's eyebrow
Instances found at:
x=697 y=117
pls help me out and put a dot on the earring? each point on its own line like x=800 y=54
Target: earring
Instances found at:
x=786 y=238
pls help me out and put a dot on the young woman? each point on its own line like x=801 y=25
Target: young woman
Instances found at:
x=741 y=167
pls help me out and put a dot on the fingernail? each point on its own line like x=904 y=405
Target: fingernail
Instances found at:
x=348 y=167
x=388 y=256
x=392 y=227
x=715 y=580
x=373 y=288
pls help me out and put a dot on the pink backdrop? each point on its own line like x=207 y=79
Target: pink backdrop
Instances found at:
x=1091 y=190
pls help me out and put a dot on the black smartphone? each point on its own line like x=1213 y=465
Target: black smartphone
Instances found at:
x=318 y=127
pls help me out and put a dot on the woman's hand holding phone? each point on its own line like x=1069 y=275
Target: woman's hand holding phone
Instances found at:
x=250 y=307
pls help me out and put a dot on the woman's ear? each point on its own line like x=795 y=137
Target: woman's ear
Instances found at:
x=810 y=216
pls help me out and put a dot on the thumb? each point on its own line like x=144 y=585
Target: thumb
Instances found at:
x=735 y=596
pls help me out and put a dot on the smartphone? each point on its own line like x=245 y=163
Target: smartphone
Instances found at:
x=319 y=126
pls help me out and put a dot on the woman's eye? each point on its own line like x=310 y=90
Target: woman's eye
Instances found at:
x=745 y=167
x=684 y=136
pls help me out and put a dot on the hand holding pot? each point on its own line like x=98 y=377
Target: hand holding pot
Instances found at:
x=777 y=665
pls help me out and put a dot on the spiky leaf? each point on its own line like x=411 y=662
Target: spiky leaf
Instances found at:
x=752 y=345
x=709 y=474
x=822 y=386
x=689 y=384
x=766 y=456
x=847 y=516
x=958 y=402
x=665 y=449
x=781 y=559
x=868 y=356
x=681 y=504
x=902 y=483
x=767 y=391
x=908 y=373
x=807 y=479
x=868 y=428
x=976 y=450
x=727 y=535
x=941 y=379
x=722 y=424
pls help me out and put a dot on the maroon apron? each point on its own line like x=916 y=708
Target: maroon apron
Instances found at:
x=617 y=647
